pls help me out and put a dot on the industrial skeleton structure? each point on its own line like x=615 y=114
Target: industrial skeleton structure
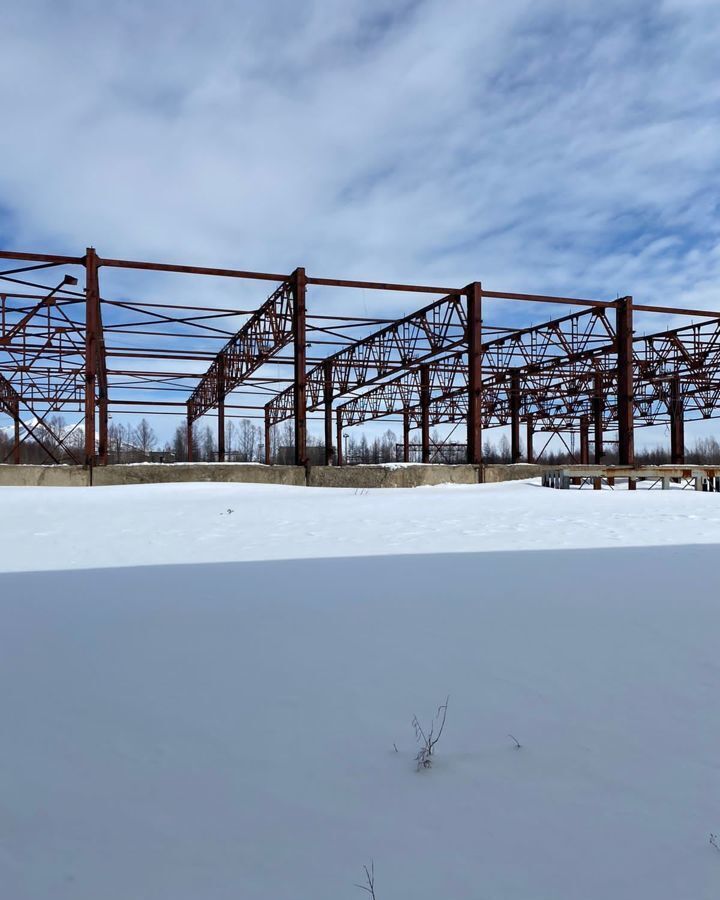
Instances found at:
x=67 y=346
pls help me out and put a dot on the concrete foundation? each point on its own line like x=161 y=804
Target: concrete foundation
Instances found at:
x=381 y=476
x=390 y=476
x=515 y=472
x=164 y=473
x=44 y=476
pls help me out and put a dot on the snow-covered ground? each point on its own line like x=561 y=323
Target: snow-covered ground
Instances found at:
x=203 y=704
x=62 y=528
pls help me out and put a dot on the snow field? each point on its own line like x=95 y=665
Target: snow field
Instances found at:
x=226 y=729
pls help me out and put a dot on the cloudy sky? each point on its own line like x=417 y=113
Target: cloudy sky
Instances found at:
x=536 y=145
x=548 y=146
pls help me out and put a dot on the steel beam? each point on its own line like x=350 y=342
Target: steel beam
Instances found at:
x=265 y=333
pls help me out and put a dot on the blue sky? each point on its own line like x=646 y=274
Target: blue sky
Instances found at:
x=554 y=147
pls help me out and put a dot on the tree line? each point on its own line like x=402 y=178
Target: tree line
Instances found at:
x=244 y=442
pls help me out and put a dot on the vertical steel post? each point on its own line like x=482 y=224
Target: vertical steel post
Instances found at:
x=268 y=458
x=221 y=430
x=340 y=455
x=584 y=441
x=16 y=434
x=92 y=295
x=221 y=408
x=102 y=430
x=677 y=422
x=102 y=383
x=189 y=435
x=625 y=400
x=299 y=282
x=598 y=404
x=529 y=439
x=473 y=295
x=327 y=399
x=514 y=416
x=406 y=434
x=425 y=411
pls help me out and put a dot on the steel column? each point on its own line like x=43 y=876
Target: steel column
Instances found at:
x=16 y=433
x=598 y=403
x=340 y=455
x=677 y=422
x=327 y=399
x=529 y=439
x=189 y=435
x=102 y=384
x=425 y=411
x=299 y=282
x=406 y=435
x=92 y=299
x=625 y=399
x=268 y=459
x=221 y=409
x=515 y=416
x=584 y=441
x=473 y=294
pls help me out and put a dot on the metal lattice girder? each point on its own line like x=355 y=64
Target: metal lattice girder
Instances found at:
x=570 y=341
x=684 y=351
x=569 y=345
x=559 y=362
x=265 y=333
x=437 y=328
x=9 y=397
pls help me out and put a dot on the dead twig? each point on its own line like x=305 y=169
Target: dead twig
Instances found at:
x=369 y=888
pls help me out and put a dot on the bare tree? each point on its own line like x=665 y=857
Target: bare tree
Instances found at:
x=143 y=436
x=180 y=443
x=118 y=440
x=208 y=444
x=248 y=440
x=230 y=436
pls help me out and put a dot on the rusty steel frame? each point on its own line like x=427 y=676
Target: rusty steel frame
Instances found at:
x=586 y=373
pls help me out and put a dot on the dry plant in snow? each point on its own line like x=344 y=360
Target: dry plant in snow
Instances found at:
x=369 y=888
x=429 y=738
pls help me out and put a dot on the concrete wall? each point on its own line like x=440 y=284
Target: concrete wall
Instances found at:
x=497 y=473
x=163 y=473
x=317 y=476
x=391 y=476
x=44 y=476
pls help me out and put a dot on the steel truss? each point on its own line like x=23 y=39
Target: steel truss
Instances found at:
x=74 y=349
